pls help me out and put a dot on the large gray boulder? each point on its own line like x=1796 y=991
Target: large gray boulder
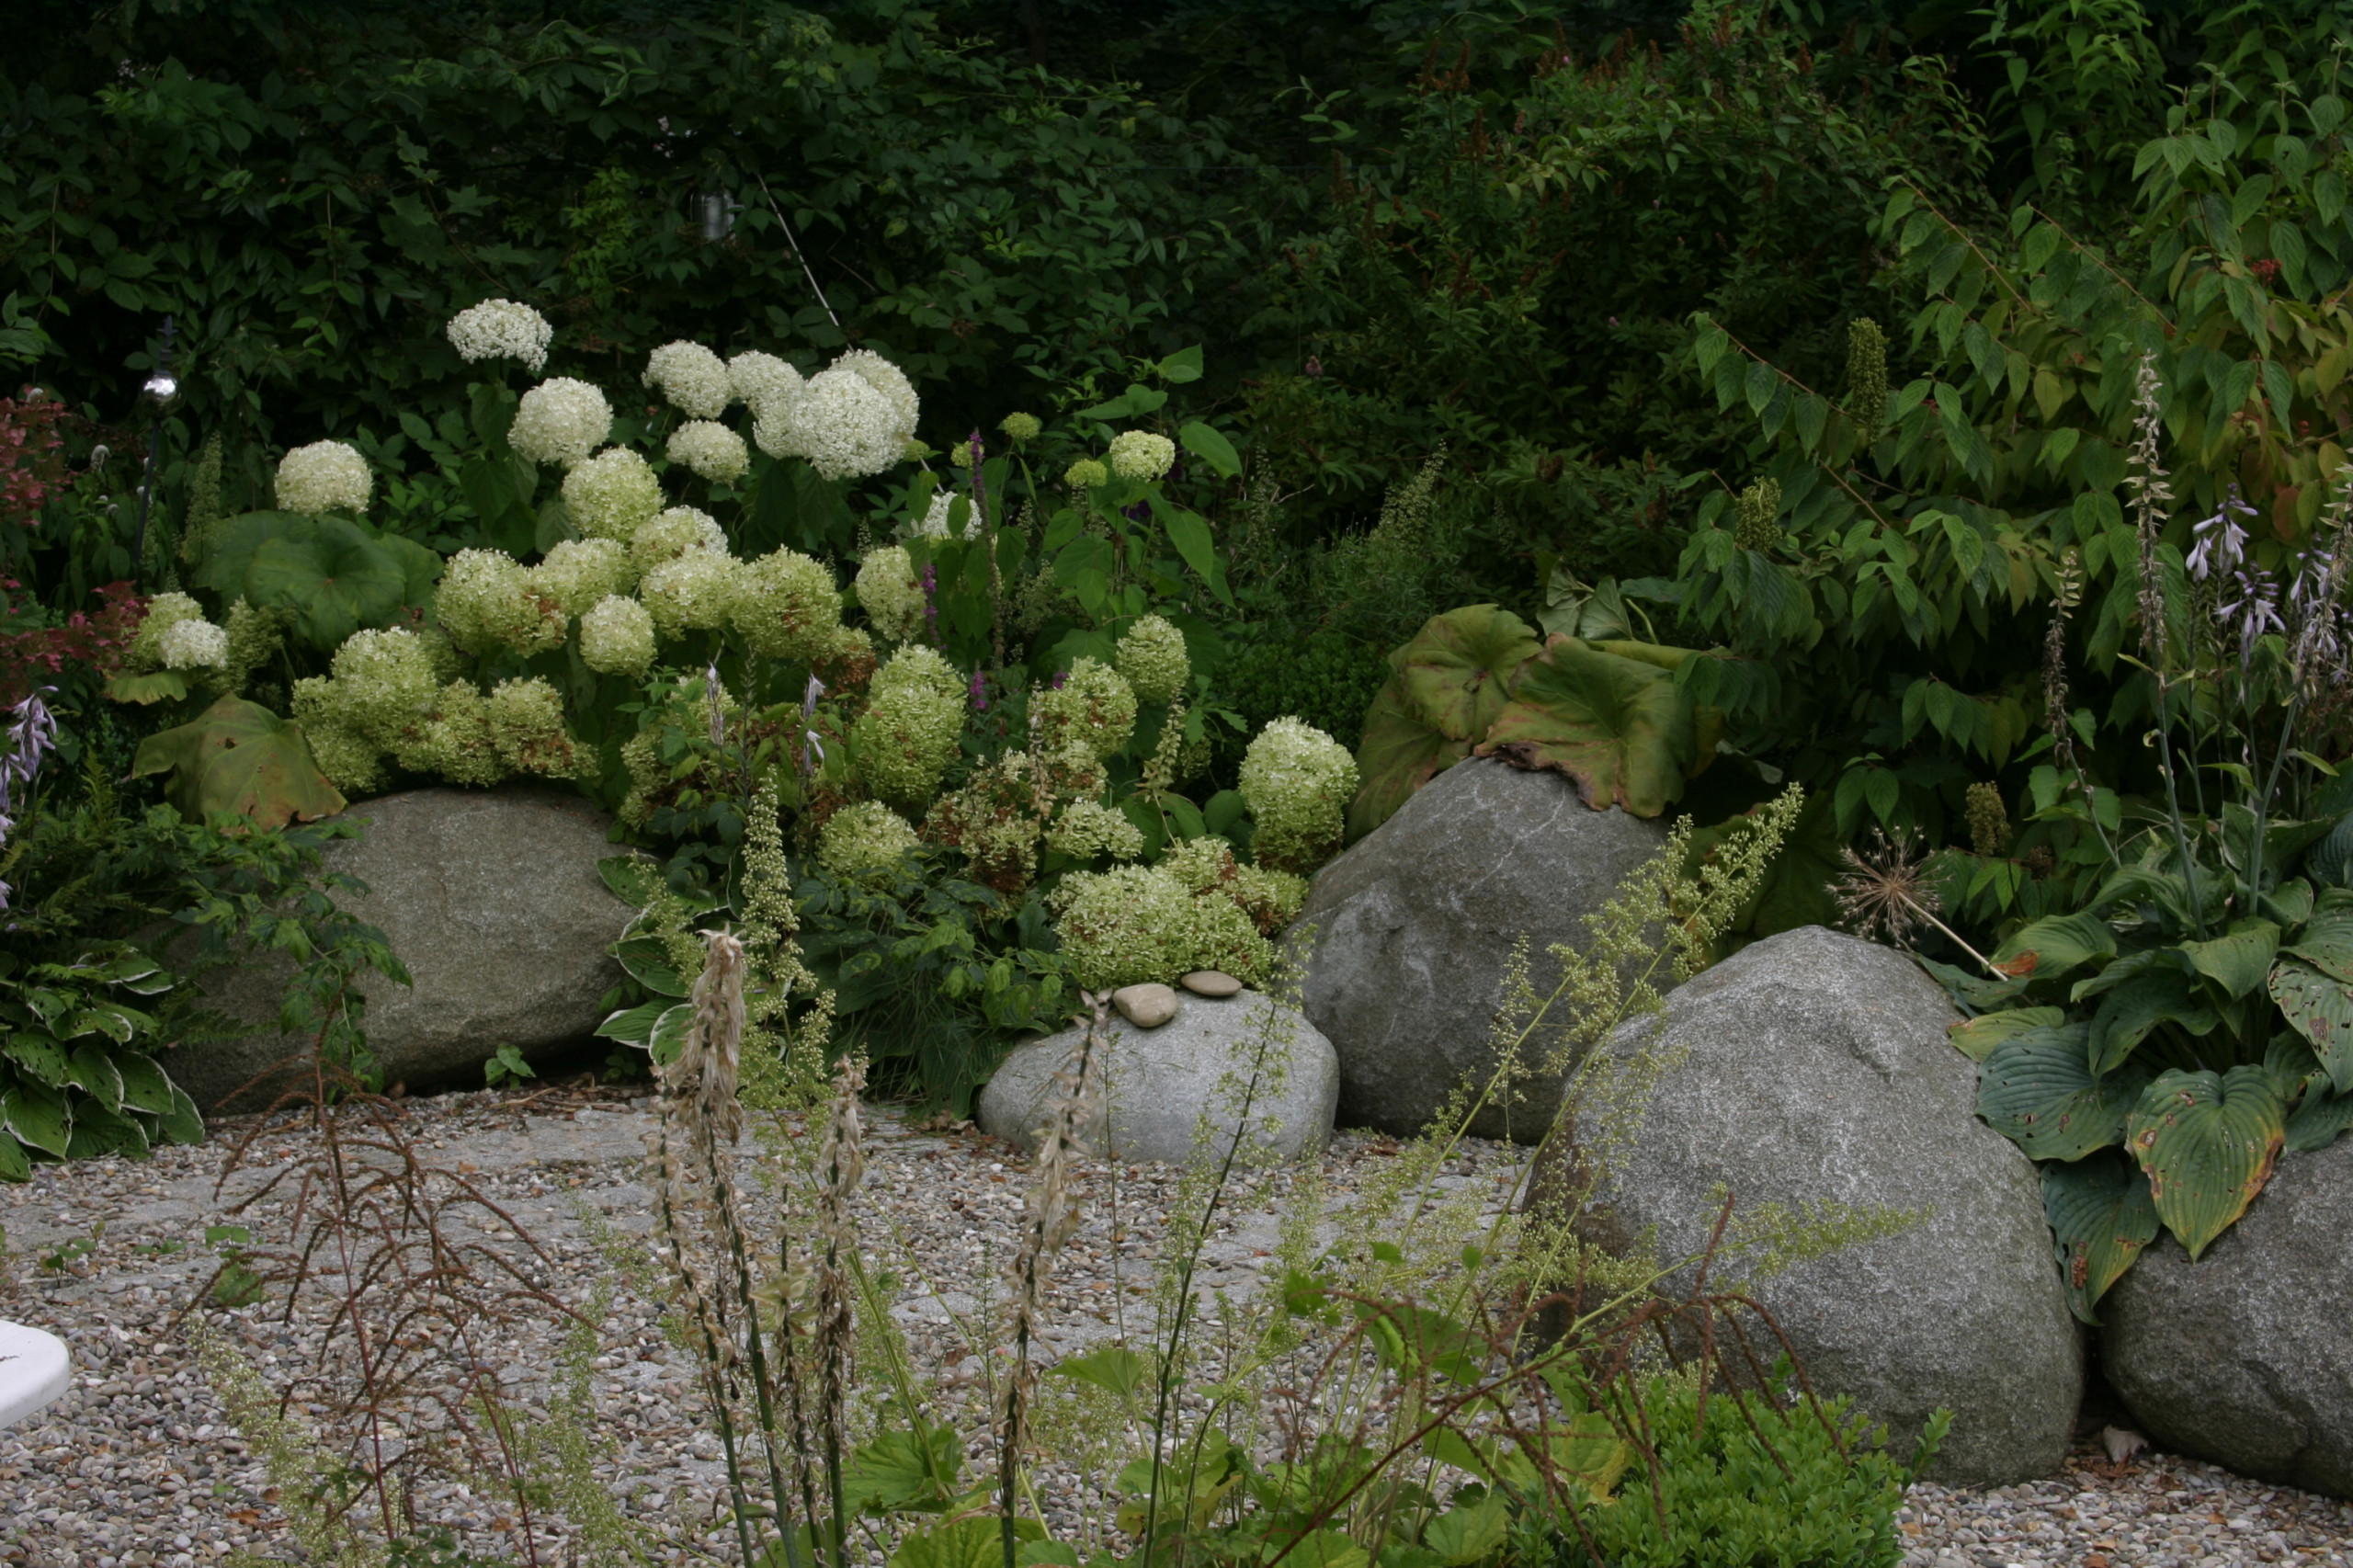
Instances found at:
x=1414 y=926
x=492 y=900
x=1160 y=1081
x=2242 y=1358
x=1812 y=1068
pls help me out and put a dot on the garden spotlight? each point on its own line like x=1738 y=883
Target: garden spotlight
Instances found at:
x=158 y=394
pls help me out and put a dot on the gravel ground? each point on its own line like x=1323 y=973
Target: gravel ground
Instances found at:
x=138 y=1465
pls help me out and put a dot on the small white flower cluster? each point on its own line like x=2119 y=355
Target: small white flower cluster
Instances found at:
x=580 y=572
x=325 y=476
x=1296 y=780
x=934 y=517
x=1140 y=454
x=195 y=645
x=889 y=593
x=612 y=494
x=711 y=449
x=850 y=420
x=693 y=377
x=759 y=380
x=616 y=637
x=166 y=613
x=1151 y=656
x=559 y=422
x=501 y=329
x=786 y=605
x=487 y=601
x=693 y=592
x=865 y=841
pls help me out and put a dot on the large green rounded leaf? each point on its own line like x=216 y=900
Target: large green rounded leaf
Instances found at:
x=1977 y=1038
x=332 y=572
x=2237 y=960
x=2129 y=1012
x=2037 y=1089
x=36 y=1115
x=1446 y=688
x=2320 y=1008
x=1616 y=727
x=2208 y=1143
x=2101 y=1217
x=238 y=757
x=2326 y=940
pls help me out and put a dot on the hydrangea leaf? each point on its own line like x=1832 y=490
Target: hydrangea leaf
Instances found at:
x=240 y=758
x=2101 y=1218
x=2208 y=1143
x=2037 y=1089
x=1446 y=687
x=2320 y=1008
x=1616 y=727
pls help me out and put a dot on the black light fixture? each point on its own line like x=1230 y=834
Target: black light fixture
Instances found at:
x=161 y=391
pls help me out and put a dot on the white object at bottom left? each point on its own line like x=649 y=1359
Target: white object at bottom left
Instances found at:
x=34 y=1370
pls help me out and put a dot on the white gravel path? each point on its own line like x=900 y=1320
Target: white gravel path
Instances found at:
x=137 y=1467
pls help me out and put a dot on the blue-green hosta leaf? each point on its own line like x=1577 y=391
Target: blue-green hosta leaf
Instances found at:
x=2037 y=1089
x=2239 y=960
x=2327 y=941
x=2128 y=1012
x=1976 y=1038
x=2319 y=1007
x=2101 y=1218
x=2050 y=946
x=2208 y=1143
x=2321 y=1115
x=36 y=1115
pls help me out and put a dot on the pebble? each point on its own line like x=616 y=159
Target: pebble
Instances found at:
x=1147 y=1006
x=1211 y=983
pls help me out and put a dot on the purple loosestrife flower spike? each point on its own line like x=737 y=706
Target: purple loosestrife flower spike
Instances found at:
x=980 y=693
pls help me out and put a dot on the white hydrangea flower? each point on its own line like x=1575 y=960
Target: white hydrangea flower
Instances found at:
x=713 y=450
x=501 y=329
x=612 y=494
x=194 y=646
x=325 y=476
x=786 y=607
x=1140 y=454
x=1152 y=655
x=559 y=422
x=762 y=380
x=526 y=723
x=935 y=518
x=384 y=686
x=890 y=594
x=579 y=572
x=693 y=377
x=616 y=637
x=1296 y=780
x=164 y=612
x=890 y=381
x=917 y=668
x=692 y=593
x=486 y=601
x=671 y=533
x=839 y=423
x=865 y=840
x=1088 y=828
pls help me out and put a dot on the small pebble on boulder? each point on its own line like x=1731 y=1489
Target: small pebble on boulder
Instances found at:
x=1147 y=1006
x=1158 y=1087
x=1209 y=983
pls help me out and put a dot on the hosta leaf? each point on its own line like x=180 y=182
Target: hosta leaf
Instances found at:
x=2326 y=942
x=2037 y=1089
x=98 y=1130
x=2239 y=960
x=15 y=1163
x=2128 y=1012
x=2208 y=1143
x=36 y=1115
x=240 y=758
x=145 y=1085
x=1977 y=1038
x=94 y=1074
x=2101 y=1217
x=634 y=1026
x=1617 y=728
x=2330 y=861
x=44 y=1060
x=648 y=962
x=2319 y=1007
x=2055 y=944
x=2318 y=1120
x=183 y=1123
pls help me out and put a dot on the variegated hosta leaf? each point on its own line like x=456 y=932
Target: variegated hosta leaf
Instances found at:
x=2101 y=1216
x=2037 y=1090
x=2318 y=1006
x=2208 y=1143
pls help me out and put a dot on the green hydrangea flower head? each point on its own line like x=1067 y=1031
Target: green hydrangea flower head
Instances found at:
x=349 y=759
x=1296 y=782
x=164 y=612
x=1086 y=473
x=786 y=607
x=1088 y=829
x=1095 y=706
x=526 y=722
x=913 y=727
x=384 y=686
x=693 y=592
x=1020 y=428
x=612 y=494
x=890 y=594
x=1151 y=656
x=671 y=533
x=616 y=637
x=1140 y=454
x=487 y=601
x=865 y=841
x=460 y=742
x=1135 y=924
x=579 y=572
x=920 y=667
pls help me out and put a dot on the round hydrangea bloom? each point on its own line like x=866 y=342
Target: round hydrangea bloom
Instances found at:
x=612 y=494
x=560 y=421
x=1086 y=474
x=616 y=637
x=579 y=572
x=458 y=741
x=713 y=450
x=501 y=329
x=1020 y=427
x=889 y=593
x=934 y=517
x=350 y=761
x=761 y=379
x=865 y=841
x=671 y=533
x=890 y=381
x=1151 y=656
x=1140 y=454
x=1094 y=708
x=693 y=377
x=526 y=722
x=1135 y=924
x=843 y=427
x=1088 y=828
x=325 y=476
x=487 y=601
x=384 y=686
x=194 y=646
x=786 y=607
x=692 y=593
x=919 y=668
x=164 y=612
x=907 y=736
x=1297 y=780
